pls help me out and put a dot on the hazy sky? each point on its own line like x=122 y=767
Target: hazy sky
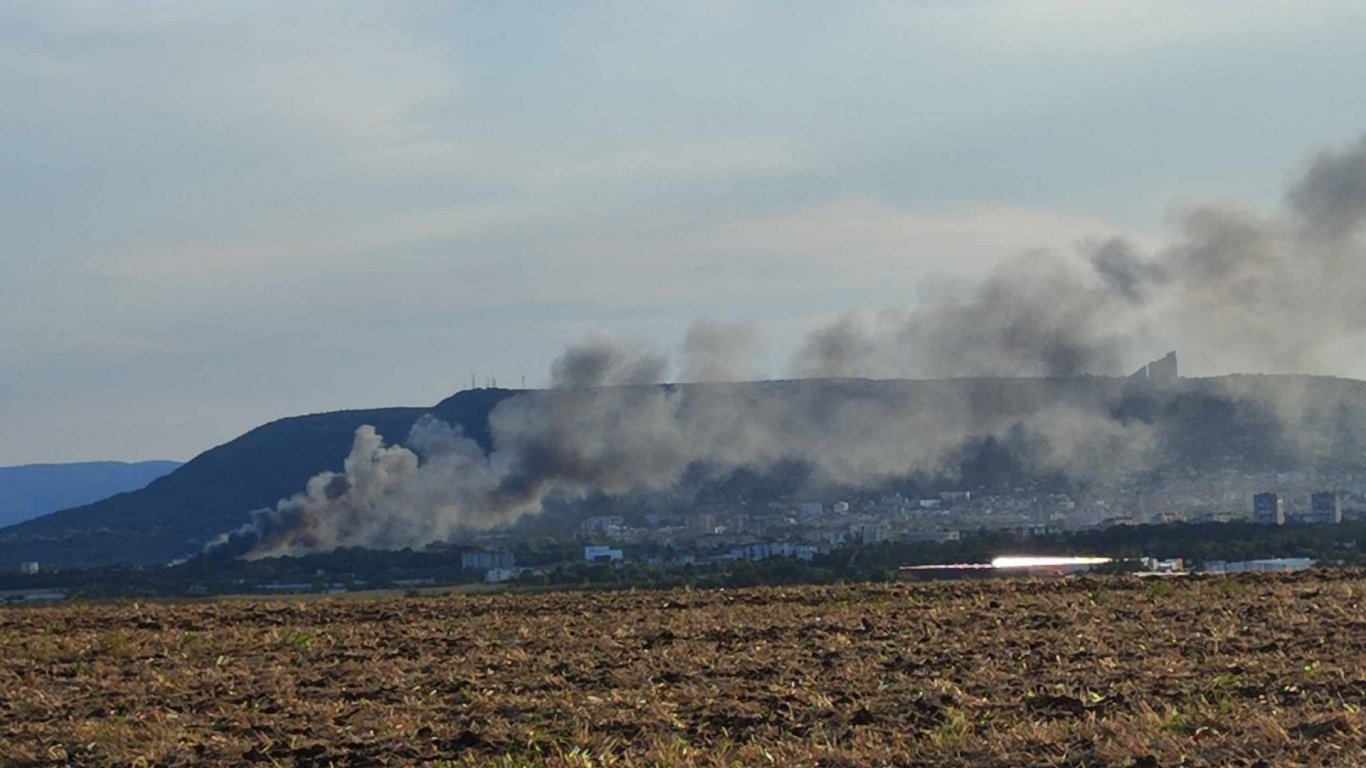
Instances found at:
x=220 y=214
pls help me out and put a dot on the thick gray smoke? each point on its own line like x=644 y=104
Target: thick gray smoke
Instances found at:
x=571 y=443
x=386 y=497
x=1235 y=292
x=601 y=362
x=717 y=350
x=1035 y=316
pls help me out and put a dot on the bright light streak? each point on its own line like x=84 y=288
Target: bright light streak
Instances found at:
x=1014 y=561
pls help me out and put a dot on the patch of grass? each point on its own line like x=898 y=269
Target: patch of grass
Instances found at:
x=1158 y=587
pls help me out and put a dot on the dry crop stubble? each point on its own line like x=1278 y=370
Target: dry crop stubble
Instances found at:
x=1250 y=670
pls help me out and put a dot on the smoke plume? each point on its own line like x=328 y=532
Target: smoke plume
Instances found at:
x=1240 y=291
x=600 y=362
x=573 y=443
x=1236 y=291
x=716 y=350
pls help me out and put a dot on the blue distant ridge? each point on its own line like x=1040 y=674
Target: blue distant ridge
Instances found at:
x=34 y=490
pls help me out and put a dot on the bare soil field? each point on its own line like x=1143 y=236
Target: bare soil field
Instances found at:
x=1253 y=670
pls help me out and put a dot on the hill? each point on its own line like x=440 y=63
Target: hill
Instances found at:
x=33 y=490
x=1254 y=423
x=176 y=514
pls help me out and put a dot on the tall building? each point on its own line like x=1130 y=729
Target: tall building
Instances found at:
x=702 y=524
x=1324 y=507
x=1164 y=369
x=1267 y=509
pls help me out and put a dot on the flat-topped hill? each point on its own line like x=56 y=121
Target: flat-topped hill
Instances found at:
x=1249 y=422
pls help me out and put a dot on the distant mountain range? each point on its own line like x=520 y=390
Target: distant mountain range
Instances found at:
x=1196 y=424
x=34 y=490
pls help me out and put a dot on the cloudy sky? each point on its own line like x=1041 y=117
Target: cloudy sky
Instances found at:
x=220 y=214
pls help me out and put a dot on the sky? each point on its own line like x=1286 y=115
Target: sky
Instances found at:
x=219 y=214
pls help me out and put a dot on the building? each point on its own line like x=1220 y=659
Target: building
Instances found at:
x=1163 y=370
x=1268 y=509
x=484 y=560
x=1154 y=565
x=29 y=568
x=1324 y=507
x=702 y=524
x=293 y=587
x=1275 y=565
x=602 y=524
x=766 y=550
x=1213 y=516
x=872 y=533
x=601 y=555
x=30 y=596
x=929 y=537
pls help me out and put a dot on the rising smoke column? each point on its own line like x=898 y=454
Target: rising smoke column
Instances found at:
x=386 y=497
x=1236 y=290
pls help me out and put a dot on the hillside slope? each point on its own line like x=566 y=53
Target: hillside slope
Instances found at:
x=1245 y=422
x=175 y=515
x=33 y=490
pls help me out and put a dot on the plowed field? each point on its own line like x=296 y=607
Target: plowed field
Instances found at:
x=1239 y=671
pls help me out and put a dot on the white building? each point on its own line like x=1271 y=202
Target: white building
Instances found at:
x=766 y=550
x=600 y=554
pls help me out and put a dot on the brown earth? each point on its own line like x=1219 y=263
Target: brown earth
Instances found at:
x=1251 y=670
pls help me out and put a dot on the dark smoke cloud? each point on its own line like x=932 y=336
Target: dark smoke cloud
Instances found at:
x=1123 y=271
x=1037 y=315
x=599 y=362
x=1236 y=291
x=1331 y=199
